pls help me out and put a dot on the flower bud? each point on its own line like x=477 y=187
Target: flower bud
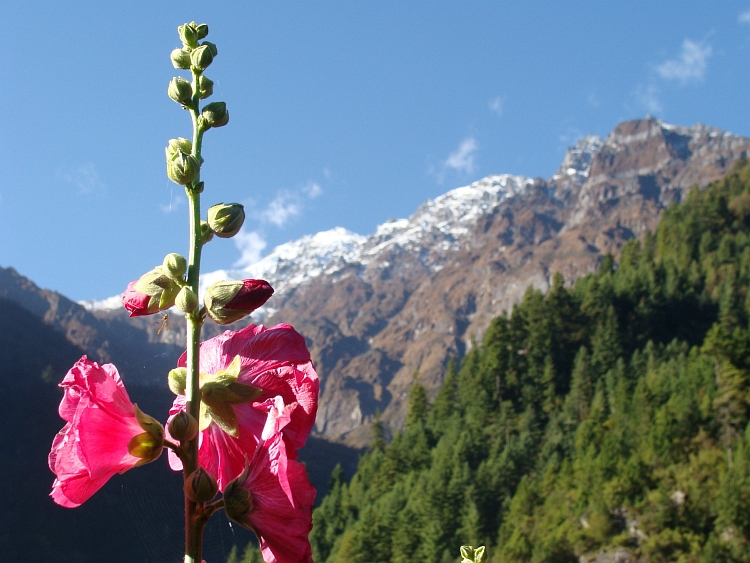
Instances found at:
x=188 y=35
x=200 y=486
x=201 y=57
x=215 y=114
x=153 y=292
x=180 y=90
x=180 y=58
x=182 y=168
x=177 y=380
x=186 y=300
x=174 y=265
x=238 y=501
x=183 y=427
x=230 y=301
x=201 y=30
x=211 y=47
x=206 y=233
x=226 y=220
x=198 y=188
x=179 y=145
x=205 y=87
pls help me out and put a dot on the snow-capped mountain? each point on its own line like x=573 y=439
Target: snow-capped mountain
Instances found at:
x=378 y=308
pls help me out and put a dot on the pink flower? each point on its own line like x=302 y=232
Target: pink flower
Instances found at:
x=274 y=498
x=276 y=361
x=136 y=303
x=104 y=433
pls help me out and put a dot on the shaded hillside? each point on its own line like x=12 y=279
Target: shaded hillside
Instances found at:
x=607 y=421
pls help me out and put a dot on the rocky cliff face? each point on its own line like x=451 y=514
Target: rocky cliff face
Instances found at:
x=427 y=287
x=377 y=309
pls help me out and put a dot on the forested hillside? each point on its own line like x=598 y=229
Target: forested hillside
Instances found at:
x=609 y=416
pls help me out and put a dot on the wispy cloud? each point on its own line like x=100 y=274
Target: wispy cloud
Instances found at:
x=497 y=105
x=85 y=179
x=691 y=64
x=175 y=203
x=648 y=98
x=251 y=245
x=289 y=204
x=744 y=17
x=462 y=159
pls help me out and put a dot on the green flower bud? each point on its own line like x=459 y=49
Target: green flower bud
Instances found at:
x=201 y=57
x=200 y=486
x=201 y=30
x=174 y=266
x=211 y=47
x=205 y=87
x=182 y=168
x=176 y=380
x=215 y=114
x=206 y=233
x=198 y=188
x=188 y=35
x=180 y=58
x=471 y=555
x=186 y=300
x=183 y=427
x=179 y=145
x=226 y=220
x=180 y=90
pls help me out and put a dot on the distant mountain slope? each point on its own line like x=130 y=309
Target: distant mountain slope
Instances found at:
x=378 y=308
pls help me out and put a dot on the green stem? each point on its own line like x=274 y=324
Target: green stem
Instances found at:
x=193 y=526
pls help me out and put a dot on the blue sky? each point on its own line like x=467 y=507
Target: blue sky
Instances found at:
x=342 y=113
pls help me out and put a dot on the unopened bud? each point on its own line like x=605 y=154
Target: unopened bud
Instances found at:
x=178 y=145
x=230 y=301
x=183 y=427
x=238 y=501
x=198 y=188
x=187 y=300
x=226 y=219
x=205 y=87
x=153 y=292
x=206 y=233
x=182 y=168
x=177 y=380
x=180 y=58
x=200 y=486
x=201 y=30
x=174 y=265
x=215 y=114
x=201 y=57
x=180 y=90
x=188 y=35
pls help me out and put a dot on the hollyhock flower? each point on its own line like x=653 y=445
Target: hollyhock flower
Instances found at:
x=273 y=497
x=104 y=433
x=230 y=301
x=275 y=362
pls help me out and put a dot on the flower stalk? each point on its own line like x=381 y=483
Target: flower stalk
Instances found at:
x=193 y=523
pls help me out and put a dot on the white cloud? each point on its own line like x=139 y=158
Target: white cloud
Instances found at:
x=312 y=190
x=86 y=179
x=281 y=209
x=175 y=202
x=690 y=66
x=497 y=105
x=648 y=97
x=251 y=245
x=289 y=204
x=744 y=17
x=462 y=159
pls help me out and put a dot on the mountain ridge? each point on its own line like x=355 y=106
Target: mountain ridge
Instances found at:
x=380 y=308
